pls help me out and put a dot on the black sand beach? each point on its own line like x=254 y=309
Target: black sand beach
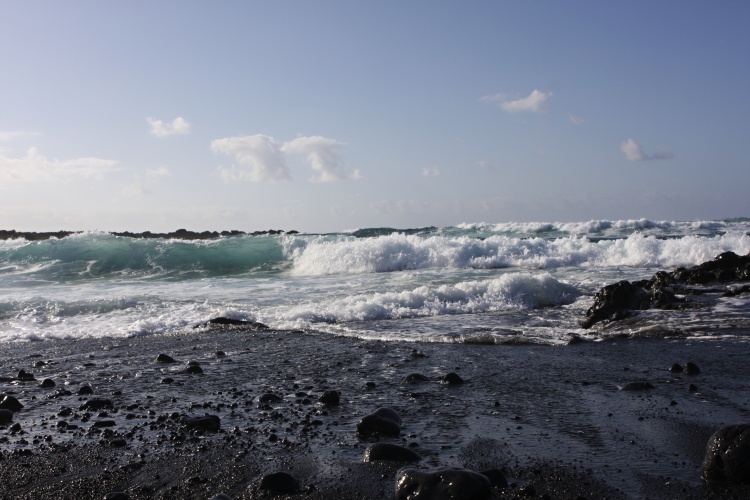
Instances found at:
x=554 y=420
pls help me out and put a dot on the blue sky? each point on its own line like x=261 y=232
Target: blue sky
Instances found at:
x=333 y=115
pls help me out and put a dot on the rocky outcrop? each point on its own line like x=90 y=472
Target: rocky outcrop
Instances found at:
x=617 y=301
x=180 y=234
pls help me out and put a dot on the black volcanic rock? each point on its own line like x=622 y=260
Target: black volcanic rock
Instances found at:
x=383 y=421
x=446 y=483
x=222 y=322
x=727 y=455
x=616 y=301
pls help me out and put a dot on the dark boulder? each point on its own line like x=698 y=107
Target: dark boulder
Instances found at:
x=452 y=379
x=383 y=421
x=692 y=368
x=728 y=455
x=165 y=358
x=442 y=484
x=280 y=482
x=330 y=398
x=10 y=403
x=389 y=451
x=240 y=324
x=6 y=416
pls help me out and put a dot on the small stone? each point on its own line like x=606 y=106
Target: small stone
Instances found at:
x=84 y=390
x=25 y=376
x=194 y=370
x=391 y=452
x=637 y=386
x=330 y=398
x=270 y=398
x=280 y=482
x=104 y=423
x=97 y=404
x=416 y=377
x=675 y=368
x=167 y=380
x=205 y=422
x=416 y=353
x=692 y=369
x=165 y=358
x=47 y=383
x=453 y=379
x=692 y=388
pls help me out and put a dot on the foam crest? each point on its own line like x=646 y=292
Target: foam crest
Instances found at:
x=507 y=292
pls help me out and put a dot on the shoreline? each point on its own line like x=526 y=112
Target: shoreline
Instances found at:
x=554 y=420
x=180 y=234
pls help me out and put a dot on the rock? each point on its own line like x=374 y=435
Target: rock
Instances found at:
x=97 y=404
x=116 y=495
x=165 y=358
x=25 y=376
x=453 y=379
x=166 y=380
x=676 y=368
x=210 y=423
x=692 y=369
x=47 y=383
x=330 y=398
x=382 y=421
x=692 y=387
x=194 y=369
x=242 y=324
x=416 y=377
x=10 y=403
x=221 y=496
x=496 y=477
x=728 y=455
x=270 y=398
x=104 y=423
x=84 y=390
x=416 y=353
x=280 y=482
x=637 y=386
x=446 y=483
x=392 y=452
x=6 y=416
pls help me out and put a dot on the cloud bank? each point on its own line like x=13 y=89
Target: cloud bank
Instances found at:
x=260 y=158
x=633 y=152
x=35 y=167
x=178 y=126
x=533 y=103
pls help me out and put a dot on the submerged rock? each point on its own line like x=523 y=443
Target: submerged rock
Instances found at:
x=637 y=386
x=165 y=358
x=692 y=369
x=447 y=483
x=727 y=455
x=453 y=379
x=330 y=398
x=222 y=322
x=389 y=451
x=383 y=421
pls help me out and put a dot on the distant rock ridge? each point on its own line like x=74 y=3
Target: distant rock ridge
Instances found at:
x=180 y=234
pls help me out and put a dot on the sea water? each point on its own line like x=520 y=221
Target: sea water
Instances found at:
x=479 y=283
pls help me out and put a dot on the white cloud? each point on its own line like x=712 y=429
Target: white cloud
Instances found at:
x=158 y=172
x=258 y=158
x=179 y=126
x=575 y=120
x=430 y=172
x=633 y=152
x=533 y=102
x=322 y=155
x=35 y=167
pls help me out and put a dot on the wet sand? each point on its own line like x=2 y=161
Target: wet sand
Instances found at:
x=553 y=419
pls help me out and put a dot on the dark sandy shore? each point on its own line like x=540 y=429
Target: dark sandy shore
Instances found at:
x=553 y=419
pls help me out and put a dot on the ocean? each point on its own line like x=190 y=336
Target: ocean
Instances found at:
x=477 y=283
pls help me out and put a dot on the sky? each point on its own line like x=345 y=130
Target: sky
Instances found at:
x=322 y=115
